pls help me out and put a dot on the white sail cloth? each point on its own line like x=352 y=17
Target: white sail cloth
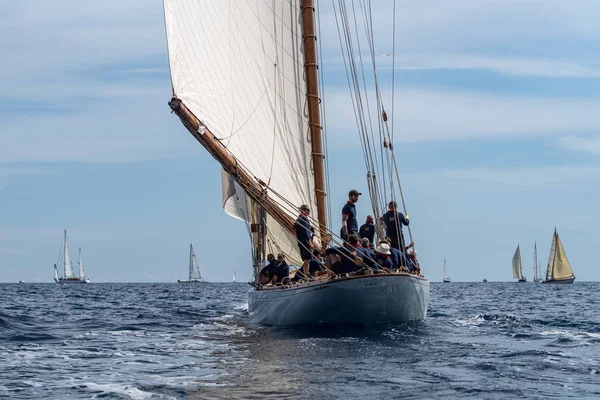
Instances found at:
x=237 y=204
x=516 y=264
x=67 y=259
x=194 y=267
x=238 y=66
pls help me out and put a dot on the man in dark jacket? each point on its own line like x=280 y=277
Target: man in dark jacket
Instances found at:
x=352 y=255
x=393 y=221
x=367 y=230
x=281 y=270
x=266 y=274
x=304 y=237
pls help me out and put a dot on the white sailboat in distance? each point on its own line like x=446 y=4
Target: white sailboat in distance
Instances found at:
x=64 y=257
x=446 y=277
x=234 y=276
x=536 y=266
x=559 y=270
x=517 y=266
x=245 y=83
x=194 y=271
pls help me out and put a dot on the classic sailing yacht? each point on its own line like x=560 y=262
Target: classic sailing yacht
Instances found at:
x=517 y=266
x=195 y=276
x=69 y=276
x=446 y=277
x=559 y=270
x=245 y=84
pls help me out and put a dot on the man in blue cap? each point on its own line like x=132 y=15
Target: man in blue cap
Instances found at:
x=349 y=221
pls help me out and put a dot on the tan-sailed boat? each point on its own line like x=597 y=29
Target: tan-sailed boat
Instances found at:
x=559 y=270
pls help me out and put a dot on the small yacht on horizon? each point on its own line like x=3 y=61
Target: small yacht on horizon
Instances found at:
x=69 y=276
x=446 y=277
x=194 y=272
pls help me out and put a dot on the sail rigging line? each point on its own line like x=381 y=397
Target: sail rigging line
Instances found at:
x=348 y=54
x=393 y=67
x=369 y=136
x=368 y=21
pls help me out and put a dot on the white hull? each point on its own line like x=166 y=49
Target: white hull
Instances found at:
x=446 y=280
x=75 y=281
x=361 y=299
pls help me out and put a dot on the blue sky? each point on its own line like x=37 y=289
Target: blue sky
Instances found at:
x=496 y=128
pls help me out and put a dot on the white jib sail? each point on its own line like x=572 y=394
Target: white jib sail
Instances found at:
x=535 y=263
x=516 y=263
x=81 y=273
x=194 y=267
x=239 y=67
x=67 y=257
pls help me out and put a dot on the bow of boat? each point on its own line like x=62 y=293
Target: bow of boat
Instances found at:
x=359 y=299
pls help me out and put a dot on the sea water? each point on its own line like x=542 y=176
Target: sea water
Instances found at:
x=192 y=341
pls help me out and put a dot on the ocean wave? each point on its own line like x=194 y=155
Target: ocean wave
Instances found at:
x=107 y=389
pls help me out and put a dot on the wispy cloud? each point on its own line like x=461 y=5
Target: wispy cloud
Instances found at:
x=588 y=144
x=425 y=115
x=547 y=68
x=519 y=179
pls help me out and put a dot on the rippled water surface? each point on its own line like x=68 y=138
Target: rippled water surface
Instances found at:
x=170 y=341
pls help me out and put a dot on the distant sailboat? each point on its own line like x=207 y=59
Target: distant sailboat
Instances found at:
x=234 y=276
x=446 y=277
x=536 y=266
x=69 y=276
x=195 y=276
x=517 y=266
x=559 y=270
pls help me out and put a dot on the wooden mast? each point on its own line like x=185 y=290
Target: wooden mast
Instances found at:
x=314 y=117
x=253 y=187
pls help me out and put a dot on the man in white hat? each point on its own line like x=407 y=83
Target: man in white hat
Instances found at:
x=382 y=256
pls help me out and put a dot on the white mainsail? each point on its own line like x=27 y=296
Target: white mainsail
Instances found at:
x=239 y=68
x=535 y=271
x=234 y=275
x=551 y=257
x=516 y=264
x=558 y=264
x=67 y=259
x=81 y=273
x=194 y=267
